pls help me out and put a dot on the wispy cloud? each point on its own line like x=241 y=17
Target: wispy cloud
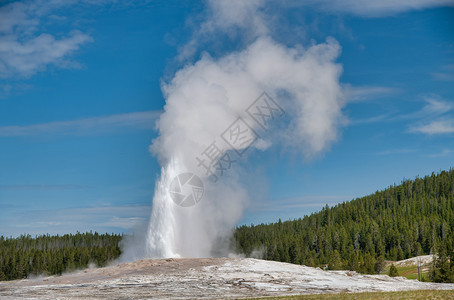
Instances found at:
x=119 y=218
x=123 y=222
x=446 y=74
x=25 y=48
x=434 y=117
x=373 y=119
x=357 y=94
x=32 y=187
x=443 y=76
x=7 y=89
x=396 y=151
x=252 y=18
x=286 y=204
x=363 y=93
x=87 y=126
x=435 y=127
x=371 y=8
x=434 y=107
x=227 y=17
x=442 y=153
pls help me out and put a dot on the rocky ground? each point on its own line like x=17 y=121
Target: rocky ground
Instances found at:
x=205 y=278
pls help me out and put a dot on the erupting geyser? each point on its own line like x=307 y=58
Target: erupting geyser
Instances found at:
x=203 y=101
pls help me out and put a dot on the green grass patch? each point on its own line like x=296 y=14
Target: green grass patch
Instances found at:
x=409 y=272
x=419 y=294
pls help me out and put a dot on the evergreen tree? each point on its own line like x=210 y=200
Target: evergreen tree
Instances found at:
x=410 y=219
x=48 y=255
x=393 y=271
x=335 y=261
x=441 y=269
x=379 y=264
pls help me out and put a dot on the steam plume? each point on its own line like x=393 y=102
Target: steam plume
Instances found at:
x=204 y=98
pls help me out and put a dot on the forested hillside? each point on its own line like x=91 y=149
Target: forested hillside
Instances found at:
x=414 y=218
x=47 y=255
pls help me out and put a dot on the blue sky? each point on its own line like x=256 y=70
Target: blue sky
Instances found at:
x=80 y=92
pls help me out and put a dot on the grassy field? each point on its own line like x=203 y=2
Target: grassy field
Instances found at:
x=419 y=294
x=410 y=272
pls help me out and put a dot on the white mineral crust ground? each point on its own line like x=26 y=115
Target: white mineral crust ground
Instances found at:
x=206 y=278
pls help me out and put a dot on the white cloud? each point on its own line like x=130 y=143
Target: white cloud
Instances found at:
x=363 y=93
x=442 y=153
x=252 y=18
x=61 y=221
x=25 y=49
x=373 y=8
x=122 y=222
x=374 y=119
x=434 y=118
x=396 y=151
x=435 y=127
x=285 y=204
x=87 y=126
x=447 y=73
x=436 y=106
x=227 y=17
x=8 y=88
x=442 y=76
x=427 y=119
x=44 y=187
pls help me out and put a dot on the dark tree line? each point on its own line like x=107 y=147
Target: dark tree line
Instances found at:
x=24 y=256
x=411 y=219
